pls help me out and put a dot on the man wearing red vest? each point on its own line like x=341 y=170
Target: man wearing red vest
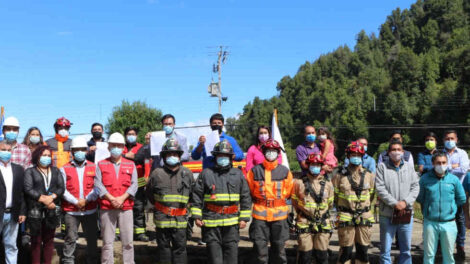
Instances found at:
x=79 y=202
x=116 y=180
x=130 y=150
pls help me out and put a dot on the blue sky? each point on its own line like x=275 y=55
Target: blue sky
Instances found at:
x=78 y=59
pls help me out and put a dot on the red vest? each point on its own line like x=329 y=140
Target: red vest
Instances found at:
x=73 y=187
x=135 y=149
x=116 y=185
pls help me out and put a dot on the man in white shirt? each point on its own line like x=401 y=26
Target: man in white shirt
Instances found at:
x=12 y=203
x=79 y=202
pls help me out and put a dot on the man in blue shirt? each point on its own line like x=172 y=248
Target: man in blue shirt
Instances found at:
x=217 y=123
x=368 y=162
x=458 y=164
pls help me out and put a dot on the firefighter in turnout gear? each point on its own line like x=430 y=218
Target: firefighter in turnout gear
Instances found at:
x=130 y=150
x=271 y=185
x=354 y=192
x=312 y=197
x=221 y=204
x=168 y=189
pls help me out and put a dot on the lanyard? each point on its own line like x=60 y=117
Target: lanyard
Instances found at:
x=46 y=177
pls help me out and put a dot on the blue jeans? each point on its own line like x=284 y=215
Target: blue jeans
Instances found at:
x=9 y=231
x=445 y=232
x=461 y=229
x=387 y=233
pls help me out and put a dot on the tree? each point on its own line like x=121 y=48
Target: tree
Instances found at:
x=138 y=114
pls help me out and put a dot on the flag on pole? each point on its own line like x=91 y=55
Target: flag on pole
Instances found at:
x=276 y=135
x=2 y=118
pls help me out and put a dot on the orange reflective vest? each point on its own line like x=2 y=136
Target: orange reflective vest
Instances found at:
x=73 y=187
x=271 y=185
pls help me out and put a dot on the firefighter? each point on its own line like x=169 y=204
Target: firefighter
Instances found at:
x=312 y=197
x=168 y=190
x=130 y=151
x=354 y=191
x=221 y=204
x=271 y=185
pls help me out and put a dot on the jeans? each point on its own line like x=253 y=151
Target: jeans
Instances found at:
x=387 y=233
x=445 y=232
x=461 y=229
x=9 y=231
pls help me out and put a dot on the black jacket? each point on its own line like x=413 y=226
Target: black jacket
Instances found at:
x=18 y=206
x=34 y=188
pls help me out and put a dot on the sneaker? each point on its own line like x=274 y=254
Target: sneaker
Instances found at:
x=460 y=253
x=142 y=238
x=201 y=243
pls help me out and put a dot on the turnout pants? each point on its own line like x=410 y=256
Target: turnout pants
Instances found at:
x=222 y=243
x=90 y=228
x=277 y=233
x=171 y=245
x=350 y=236
x=313 y=246
x=139 y=211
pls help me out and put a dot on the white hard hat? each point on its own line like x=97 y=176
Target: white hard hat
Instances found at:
x=79 y=142
x=116 y=138
x=11 y=121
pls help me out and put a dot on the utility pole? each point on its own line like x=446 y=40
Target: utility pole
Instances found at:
x=215 y=89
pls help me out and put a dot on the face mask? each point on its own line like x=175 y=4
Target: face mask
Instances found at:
x=97 y=135
x=11 y=135
x=355 y=160
x=223 y=161
x=315 y=170
x=34 y=139
x=63 y=133
x=79 y=156
x=396 y=155
x=263 y=137
x=217 y=127
x=45 y=161
x=5 y=156
x=365 y=148
x=172 y=161
x=131 y=139
x=322 y=137
x=440 y=169
x=116 y=152
x=450 y=144
x=430 y=145
x=168 y=129
x=271 y=155
x=311 y=138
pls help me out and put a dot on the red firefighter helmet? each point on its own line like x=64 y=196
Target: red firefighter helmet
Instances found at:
x=62 y=122
x=314 y=158
x=271 y=144
x=355 y=147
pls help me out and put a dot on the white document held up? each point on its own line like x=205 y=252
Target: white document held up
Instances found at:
x=157 y=139
x=211 y=139
x=101 y=151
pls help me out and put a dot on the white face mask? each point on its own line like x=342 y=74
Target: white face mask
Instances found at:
x=63 y=132
x=440 y=169
x=396 y=155
x=322 y=137
x=271 y=155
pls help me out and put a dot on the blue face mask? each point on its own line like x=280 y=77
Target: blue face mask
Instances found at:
x=45 y=161
x=79 y=156
x=355 y=160
x=450 y=144
x=223 y=161
x=131 y=139
x=34 y=139
x=311 y=138
x=11 y=136
x=365 y=148
x=172 y=161
x=116 y=152
x=168 y=129
x=315 y=170
x=5 y=156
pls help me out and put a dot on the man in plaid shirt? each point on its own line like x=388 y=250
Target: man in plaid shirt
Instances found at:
x=20 y=153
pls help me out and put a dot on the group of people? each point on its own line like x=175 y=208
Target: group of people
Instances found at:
x=46 y=184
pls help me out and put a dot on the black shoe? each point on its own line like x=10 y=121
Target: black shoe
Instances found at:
x=142 y=238
x=26 y=240
x=460 y=253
